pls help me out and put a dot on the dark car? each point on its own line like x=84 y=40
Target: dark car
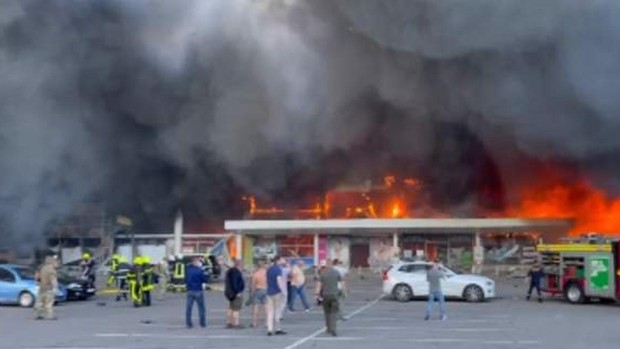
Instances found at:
x=78 y=288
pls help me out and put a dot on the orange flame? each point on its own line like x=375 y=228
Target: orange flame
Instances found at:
x=554 y=197
x=397 y=211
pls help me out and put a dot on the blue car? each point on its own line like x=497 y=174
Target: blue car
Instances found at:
x=18 y=286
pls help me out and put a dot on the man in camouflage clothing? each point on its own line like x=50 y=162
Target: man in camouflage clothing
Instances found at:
x=48 y=287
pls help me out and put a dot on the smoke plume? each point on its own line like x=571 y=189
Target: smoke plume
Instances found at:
x=153 y=105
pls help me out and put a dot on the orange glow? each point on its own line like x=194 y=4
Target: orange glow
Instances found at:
x=552 y=196
x=413 y=182
x=389 y=181
x=555 y=192
x=393 y=199
x=397 y=211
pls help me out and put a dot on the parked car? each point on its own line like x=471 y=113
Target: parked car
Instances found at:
x=18 y=286
x=78 y=288
x=407 y=280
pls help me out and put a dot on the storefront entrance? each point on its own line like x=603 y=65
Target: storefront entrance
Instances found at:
x=360 y=252
x=452 y=249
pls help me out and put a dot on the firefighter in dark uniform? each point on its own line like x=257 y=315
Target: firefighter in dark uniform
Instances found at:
x=148 y=280
x=121 y=279
x=134 y=277
x=87 y=266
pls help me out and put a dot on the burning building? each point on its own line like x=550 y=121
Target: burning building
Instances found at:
x=311 y=110
x=368 y=225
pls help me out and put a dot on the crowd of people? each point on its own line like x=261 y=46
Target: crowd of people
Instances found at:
x=274 y=287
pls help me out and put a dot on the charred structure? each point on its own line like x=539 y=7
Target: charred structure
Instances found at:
x=149 y=107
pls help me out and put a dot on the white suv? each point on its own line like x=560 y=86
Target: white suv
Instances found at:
x=406 y=280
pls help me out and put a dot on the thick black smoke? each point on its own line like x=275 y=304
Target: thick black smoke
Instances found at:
x=153 y=105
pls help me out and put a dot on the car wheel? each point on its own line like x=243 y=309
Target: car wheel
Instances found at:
x=574 y=293
x=403 y=293
x=26 y=300
x=473 y=294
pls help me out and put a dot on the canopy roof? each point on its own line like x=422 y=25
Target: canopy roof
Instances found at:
x=417 y=225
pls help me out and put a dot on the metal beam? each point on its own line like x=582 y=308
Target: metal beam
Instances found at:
x=427 y=225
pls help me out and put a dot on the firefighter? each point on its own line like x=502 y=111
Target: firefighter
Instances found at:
x=208 y=265
x=163 y=275
x=148 y=280
x=536 y=274
x=121 y=279
x=178 y=275
x=134 y=276
x=114 y=264
x=171 y=263
x=87 y=266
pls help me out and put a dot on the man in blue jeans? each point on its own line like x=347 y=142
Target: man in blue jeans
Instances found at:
x=194 y=281
x=434 y=276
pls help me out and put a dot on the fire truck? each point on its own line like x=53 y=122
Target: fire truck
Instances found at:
x=583 y=269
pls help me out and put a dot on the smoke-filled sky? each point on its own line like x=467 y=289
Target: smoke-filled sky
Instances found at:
x=149 y=106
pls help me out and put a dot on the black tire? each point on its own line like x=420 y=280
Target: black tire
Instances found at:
x=574 y=294
x=26 y=299
x=473 y=294
x=402 y=293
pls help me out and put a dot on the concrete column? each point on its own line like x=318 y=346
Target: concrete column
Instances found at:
x=395 y=239
x=478 y=261
x=178 y=233
x=239 y=246
x=316 y=250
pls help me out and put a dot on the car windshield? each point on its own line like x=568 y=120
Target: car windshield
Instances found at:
x=25 y=273
x=453 y=270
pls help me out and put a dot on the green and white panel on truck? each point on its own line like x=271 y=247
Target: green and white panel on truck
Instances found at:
x=600 y=276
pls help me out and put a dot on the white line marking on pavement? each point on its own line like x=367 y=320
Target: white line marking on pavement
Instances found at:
x=349 y=316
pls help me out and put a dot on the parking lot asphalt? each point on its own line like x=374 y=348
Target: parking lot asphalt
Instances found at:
x=374 y=322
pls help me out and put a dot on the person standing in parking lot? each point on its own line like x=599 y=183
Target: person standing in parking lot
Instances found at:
x=329 y=287
x=434 y=277
x=194 y=283
x=275 y=296
x=258 y=292
x=234 y=287
x=286 y=290
x=340 y=268
x=298 y=283
x=48 y=288
x=536 y=275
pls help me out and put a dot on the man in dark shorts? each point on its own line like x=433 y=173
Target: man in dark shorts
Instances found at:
x=234 y=293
